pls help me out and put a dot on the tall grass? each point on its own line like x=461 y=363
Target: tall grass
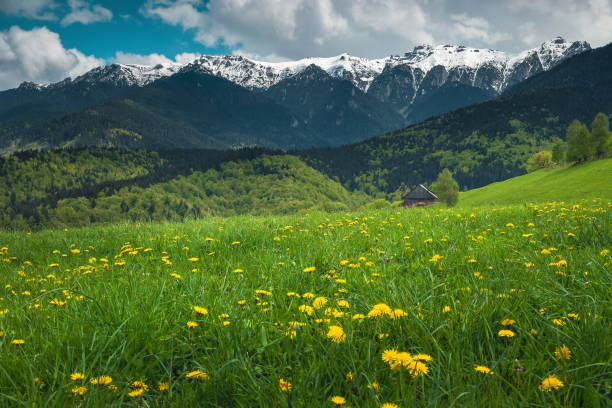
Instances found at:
x=130 y=291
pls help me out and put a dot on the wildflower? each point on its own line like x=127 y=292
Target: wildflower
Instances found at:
x=604 y=252
x=397 y=313
x=563 y=353
x=284 y=385
x=505 y=333
x=237 y=270
x=79 y=390
x=18 y=342
x=379 y=310
x=319 y=302
x=358 y=316
x=192 y=324
x=200 y=310
x=77 y=376
x=197 y=374
x=194 y=259
x=308 y=295
x=309 y=310
x=483 y=369
x=551 y=382
x=310 y=269
x=507 y=322
x=417 y=368
x=545 y=252
x=422 y=357
x=137 y=392
x=102 y=380
x=349 y=377
x=559 y=322
x=241 y=302
x=446 y=309
x=338 y=400
x=389 y=356
x=336 y=333
x=343 y=303
x=533 y=332
x=389 y=405
x=436 y=258
x=573 y=316
x=375 y=386
x=164 y=386
x=510 y=225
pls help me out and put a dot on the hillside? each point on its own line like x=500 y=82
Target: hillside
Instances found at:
x=482 y=143
x=82 y=187
x=584 y=181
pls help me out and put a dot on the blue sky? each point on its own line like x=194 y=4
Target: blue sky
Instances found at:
x=49 y=40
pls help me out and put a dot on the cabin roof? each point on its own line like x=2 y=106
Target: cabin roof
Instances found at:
x=420 y=192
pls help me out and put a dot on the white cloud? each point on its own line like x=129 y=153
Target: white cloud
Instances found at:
x=152 y=59
x=38 y=55
x=476 y=28
x=36 y=9
x=84 y=13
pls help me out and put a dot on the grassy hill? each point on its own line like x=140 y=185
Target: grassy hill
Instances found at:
x=425 y=308
x=588 y=180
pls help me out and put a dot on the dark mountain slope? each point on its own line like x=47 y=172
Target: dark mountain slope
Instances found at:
x=334 y=108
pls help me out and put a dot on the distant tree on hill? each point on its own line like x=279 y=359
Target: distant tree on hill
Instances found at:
x=579 y=147
x=540 y=160
x=558 y=152
x=600 y=135
x=446 y=188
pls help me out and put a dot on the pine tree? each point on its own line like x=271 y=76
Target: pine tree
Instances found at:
x=446 y=188
x=600 y=135
x=578 y=142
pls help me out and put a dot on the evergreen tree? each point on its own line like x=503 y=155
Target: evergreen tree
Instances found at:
x=578 y=142
x=558 y=152
x=600 y=135
x=446 y=188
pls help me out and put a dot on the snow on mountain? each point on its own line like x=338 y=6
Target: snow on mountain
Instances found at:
x=464 y=63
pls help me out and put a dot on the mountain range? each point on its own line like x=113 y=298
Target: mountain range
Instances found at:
x=229 y=101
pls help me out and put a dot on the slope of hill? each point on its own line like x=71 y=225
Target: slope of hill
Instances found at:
x=103 y=186
x=585 y=181
x=481 y=144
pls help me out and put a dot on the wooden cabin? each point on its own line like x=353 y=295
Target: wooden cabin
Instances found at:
x=421 y=196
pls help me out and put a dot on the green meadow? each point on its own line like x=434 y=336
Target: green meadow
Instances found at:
x=492 y=307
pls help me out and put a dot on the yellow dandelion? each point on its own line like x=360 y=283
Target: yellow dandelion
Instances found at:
x=102 y=380
x=309 y=310
x=310 y=269
x=197 y=374
x=389 y=356
x=79 y=390
x=446 y=309
x=136 y=393
x=319 y=302
x=573 y=316
x=191 y=324
x=336 y=334
x=397 y=313
x=77 y=376
x=164 y=386
x=18 y=342
x=505 y=333
x=349 y=377
x=389 y=405
x=343 y=303
x=551 y=382
x=483 y=369
x=558 y=322
x=563 y=353
x=237 y=270
x=200 y=310
x=194 y=259
x=417 y=368
x=436 y=258
x=507 y=322
x=284 y=385
x=379 y=310
x=338 y=400
x=422 y=357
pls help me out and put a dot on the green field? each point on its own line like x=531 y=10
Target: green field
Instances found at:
x=591 y=179
x=298 y=299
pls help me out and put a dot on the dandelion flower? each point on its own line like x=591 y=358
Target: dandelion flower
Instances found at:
x=197 y=374
x=164 y=386
x=77 y=376
x=389 y=356
x=417 y=368
x=563 y=353
x=389 y=405
x=436 y=258
x=338 y=400
x=422 y=357
x=18 y=342
x=319 y=302
x=446 y=309
x=483 y=369
x=192 y=324
x=284 y=385
x=558 y=322
x=200 y=310
x=79 y=390
x=102 y=380
x=136 y=393
x=551 y=382
x=397 y=313
x=336 y=334
x=349 y=377
x=310 y=269
x=505 y=333
x=194 y=259
x=507 y=322
x=379 y=310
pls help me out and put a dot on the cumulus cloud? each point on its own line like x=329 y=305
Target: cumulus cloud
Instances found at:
x=36 y=9
x=152 y=59
x=374 y=28
x=38 y=55
x=84 y=13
